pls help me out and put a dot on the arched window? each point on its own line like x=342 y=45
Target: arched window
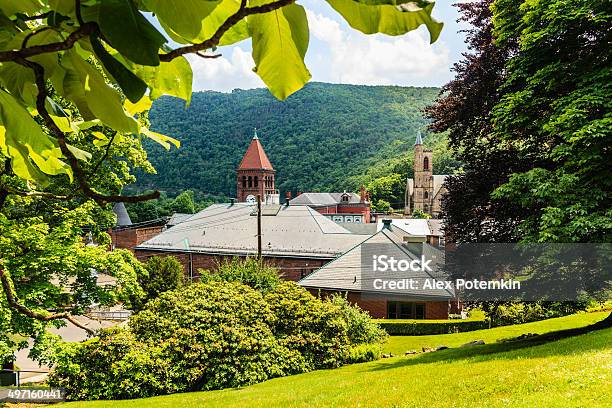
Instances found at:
x=250 y=181
x=426 y=195
x=256 y=181
x=243 y=181
x=345 y=198
x=426 y=163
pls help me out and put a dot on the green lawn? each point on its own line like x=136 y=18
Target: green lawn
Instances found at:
x=401 y=344
x=572 y=372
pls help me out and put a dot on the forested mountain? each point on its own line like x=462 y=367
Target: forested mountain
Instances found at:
x=324 y=137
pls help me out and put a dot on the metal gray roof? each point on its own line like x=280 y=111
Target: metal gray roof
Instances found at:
x=323 y=199
x=177 y=218
x=348 y=273
x=231 y=229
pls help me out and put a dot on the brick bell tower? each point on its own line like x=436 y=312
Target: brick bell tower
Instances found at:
x=255 y=175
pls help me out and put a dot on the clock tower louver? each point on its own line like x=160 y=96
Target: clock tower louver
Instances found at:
x=255 y=174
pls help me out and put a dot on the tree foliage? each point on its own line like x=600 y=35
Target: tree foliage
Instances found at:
x=76 y=81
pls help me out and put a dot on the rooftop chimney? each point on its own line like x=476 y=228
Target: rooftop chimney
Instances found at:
x=287 y=198
x=387 y=224
x=362 y=194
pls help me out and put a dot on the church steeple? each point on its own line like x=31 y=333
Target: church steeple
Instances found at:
x=419 y=139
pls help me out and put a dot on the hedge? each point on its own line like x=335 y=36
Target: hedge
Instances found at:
x=425 y=327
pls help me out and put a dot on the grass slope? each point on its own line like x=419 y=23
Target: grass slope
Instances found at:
x=568 y=373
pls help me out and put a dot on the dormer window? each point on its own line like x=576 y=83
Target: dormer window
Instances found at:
x=345 y=198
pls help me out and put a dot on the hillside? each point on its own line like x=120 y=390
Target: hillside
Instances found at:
x=323 y=137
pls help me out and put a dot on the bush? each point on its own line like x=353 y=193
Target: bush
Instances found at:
x=251 y=272
x=362 y=353
x=427 y=327
x=164 y=273
x=361 y=327
x=214 y=335
x=525 y=312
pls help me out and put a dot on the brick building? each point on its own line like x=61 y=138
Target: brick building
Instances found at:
x=339 y=207
x=296 y=239
x=352 y=274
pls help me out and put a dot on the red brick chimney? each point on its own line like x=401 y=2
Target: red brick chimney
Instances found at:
x=362 y=194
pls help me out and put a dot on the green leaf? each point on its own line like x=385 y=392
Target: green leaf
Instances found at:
x=132 y=86
x=86 y=87
x=78 y=153
x=64 y=7
x=280 y=40
x=159 y=138
x=23 y=139
x=127 y=30
x=169 y=78
x=182 y=19
x=11 y=7
x=387 y=19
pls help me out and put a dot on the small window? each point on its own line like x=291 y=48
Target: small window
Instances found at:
x=244 y=181
x=345 y=198
x=426 y=163
x=426 y=195
x=357 y=220
x=256 y=181
x=405 y=310
x=250 y=181
x=348 y=219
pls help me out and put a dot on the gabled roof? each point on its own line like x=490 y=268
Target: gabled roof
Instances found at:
x=232 y=229
x=416 y=227
x=255 y=157
x=348 y=272
x=177 y=218
x=324 y=199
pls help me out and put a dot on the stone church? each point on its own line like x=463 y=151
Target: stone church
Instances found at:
x=425 y=191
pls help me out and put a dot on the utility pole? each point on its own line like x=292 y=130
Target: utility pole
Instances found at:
x=259 y=226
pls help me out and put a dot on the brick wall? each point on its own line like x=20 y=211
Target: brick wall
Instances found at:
x=131 y=237
x=291 y=268
x=377 y=305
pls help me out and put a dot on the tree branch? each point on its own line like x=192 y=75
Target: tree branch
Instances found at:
x=11 y=299
x=83 y=31
x=232 y=20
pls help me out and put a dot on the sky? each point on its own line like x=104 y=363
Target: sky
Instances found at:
x=340 y=54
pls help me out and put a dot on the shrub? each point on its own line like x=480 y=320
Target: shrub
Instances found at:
x=214 y=335
x=361 y=327
x=362 y=353
x=524 y=312
x=251 y=272
x=426 y=327
x=164 y=273
x=308 y=325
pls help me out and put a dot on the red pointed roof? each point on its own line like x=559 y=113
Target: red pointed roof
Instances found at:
x=255 y=157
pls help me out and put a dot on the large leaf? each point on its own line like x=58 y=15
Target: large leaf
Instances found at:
x=199 y=25
x=387 y=19
x=11 y=7
x=161 y=139
x=280 y=40
x=181 y=19
x=86 y=87
x=132 y=86
x=127 y=30
x=169 y=78
x=23 y=139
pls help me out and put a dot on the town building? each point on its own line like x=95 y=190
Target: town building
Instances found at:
x=340 y=207
x=295 y=239
x=255 y=175
x=127 y=235
x=351 y=274
x=424 y=192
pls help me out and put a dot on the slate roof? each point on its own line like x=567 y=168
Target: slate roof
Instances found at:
x=348 y=273
x=231 y=229
x=324 y=199
x=177 y=218
x=255 y=157
x=417 y=227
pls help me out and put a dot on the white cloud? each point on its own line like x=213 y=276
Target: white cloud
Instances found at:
x=376 y=59
x=225 y=73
